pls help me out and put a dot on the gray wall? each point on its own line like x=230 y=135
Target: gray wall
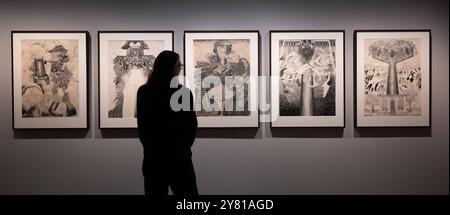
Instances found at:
x=233 y=161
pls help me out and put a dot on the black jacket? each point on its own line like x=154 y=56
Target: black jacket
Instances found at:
x=163 y=132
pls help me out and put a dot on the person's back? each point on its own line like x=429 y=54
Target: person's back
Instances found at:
x=166 y=135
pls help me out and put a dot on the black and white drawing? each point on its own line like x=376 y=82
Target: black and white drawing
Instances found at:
x=126 y=61
x=392 y=77
x=393 y=72
x=130 y=72
x=53 y=89
x=222 y=71
x=52 y=76
x=307 y=77
x=306 y=66
x=222 y=58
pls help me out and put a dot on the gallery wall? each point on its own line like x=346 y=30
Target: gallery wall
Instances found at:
x=232 y=161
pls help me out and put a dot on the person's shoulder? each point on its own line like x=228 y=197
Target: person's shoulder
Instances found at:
x=143 y=89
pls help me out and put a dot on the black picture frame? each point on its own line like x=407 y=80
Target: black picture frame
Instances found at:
x=355 y=79
x=258 y=57
x=310 y=127
x=99 y=85
x=85 y=120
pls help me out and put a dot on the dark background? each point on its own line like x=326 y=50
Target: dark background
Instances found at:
x=232 y=161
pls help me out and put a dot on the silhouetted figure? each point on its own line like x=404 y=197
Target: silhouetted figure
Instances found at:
x=166 y=135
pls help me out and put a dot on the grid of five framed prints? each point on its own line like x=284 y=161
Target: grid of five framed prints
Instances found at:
x=222 y=68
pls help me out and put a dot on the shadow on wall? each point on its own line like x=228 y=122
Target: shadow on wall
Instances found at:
x=304 y=132
x=51 y=133
x=238 y=133
x=331 y=132
x=119 y=133
x=393 y=132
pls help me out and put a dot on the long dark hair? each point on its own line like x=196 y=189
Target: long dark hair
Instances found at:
x=163 y=69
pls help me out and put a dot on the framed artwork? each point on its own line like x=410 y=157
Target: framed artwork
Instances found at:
x=221 y=69
x=125 y=61
x=49 y=72
x=307 y=78
x=392 y=80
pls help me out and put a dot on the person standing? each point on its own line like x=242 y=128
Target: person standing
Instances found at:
x=166 y=135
